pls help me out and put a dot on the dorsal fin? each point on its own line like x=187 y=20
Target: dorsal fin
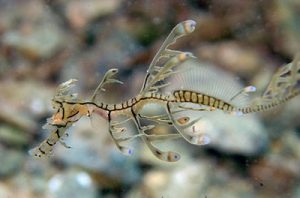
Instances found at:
x=164 y=52
x=209 y=80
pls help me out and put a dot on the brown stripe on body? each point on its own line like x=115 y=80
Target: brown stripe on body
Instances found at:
x=211 y=101
x=187 y=96
x=181 y=96
x=72 y=115
x=198 y=98
x=49 y=143
x=57 y=133
x=205 y=99
x=42 y=151
x=194 y=97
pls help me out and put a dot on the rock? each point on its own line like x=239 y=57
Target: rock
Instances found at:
x=184 y=180
x=243 y=135
x=14 y=137
x=114 y=49
x=297 y=193
x=288 y=117
x=281 y=162
x=22 y=101
x=93 y=150
x=5 y=190
x=232 y=188
x=38 y=35
x=233 y=56
x=11 y=162
x=72 y=184
x=81 y=13
x=285 y=27
x=29 y=96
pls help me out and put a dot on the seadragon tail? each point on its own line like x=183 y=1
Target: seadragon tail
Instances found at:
x=284 y=85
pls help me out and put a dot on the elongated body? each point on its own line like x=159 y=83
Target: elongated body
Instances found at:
x=201 y=89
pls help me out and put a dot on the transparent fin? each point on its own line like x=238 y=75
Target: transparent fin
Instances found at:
x=63 y=92
x=208 y=80
x=184 y=122
x=169 y=156
x=107 y=79
x=178 y=31
x=155 y=81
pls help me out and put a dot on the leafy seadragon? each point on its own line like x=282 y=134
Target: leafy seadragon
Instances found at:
x=201 y=89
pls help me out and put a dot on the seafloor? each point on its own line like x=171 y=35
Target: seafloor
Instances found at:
x=43 y=43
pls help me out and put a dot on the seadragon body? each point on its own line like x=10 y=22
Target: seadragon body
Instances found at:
x=200 y=92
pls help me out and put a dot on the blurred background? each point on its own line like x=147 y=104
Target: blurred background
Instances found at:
x=43 y=43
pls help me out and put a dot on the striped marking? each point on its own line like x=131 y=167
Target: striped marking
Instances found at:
x=181 y=96
x=57 y=133
x=211 y=101
x=221 y=104
x=194 y=97
x=41 y=150
x=225 y=107
x=216 y=104
x=198 y=98
x=205 y=102
x=187 y=96
x=50 y=144
x=72 y=115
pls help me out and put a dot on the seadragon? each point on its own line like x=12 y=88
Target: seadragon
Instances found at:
x=201 y=89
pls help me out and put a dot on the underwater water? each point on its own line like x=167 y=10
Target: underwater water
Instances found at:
x=220 y=67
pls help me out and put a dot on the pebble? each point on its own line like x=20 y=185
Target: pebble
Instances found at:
x=11 y=162
x=233 y=57
x=243 y=135
x=38 y=35
x=12 y=136
x=81 y=13
x=92 y=149
x=75 y=184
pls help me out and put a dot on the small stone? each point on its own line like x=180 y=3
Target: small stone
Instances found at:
x=81 y=13
x=11 y=162
x=284 y=18
x=233 y=57
x=38 y=35
x=72 y=184
x=243 y=135
x=12 y=136
x=93 y=149
x=188 y=179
